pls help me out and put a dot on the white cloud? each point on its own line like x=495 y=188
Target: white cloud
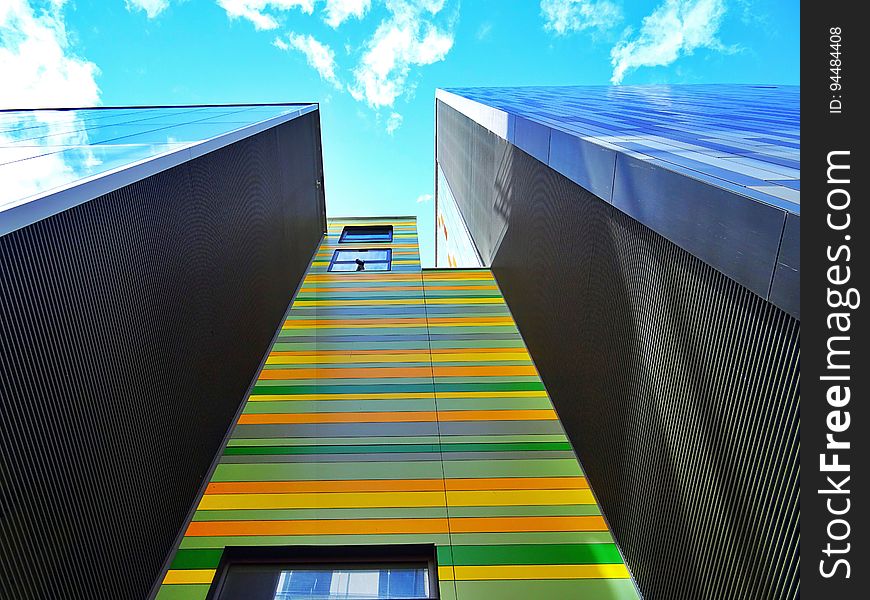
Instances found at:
x=319 y=55
x=338 y=11
x=565 y=16
x=422 y=198
x=262 y=13
x=393 y=122
x=152 y=8
x=37 y=65
x=408 y=37
x=39 y=69
x=675 y=28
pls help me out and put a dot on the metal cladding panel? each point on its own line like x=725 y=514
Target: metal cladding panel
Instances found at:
x=401 y=406
x=131 y=327
x=677 y=386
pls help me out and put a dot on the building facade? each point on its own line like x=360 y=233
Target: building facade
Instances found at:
x=646 y=240
x=146 y=256
x=210 y=391
x=402 y=407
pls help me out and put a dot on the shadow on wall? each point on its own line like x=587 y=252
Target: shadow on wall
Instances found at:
x=677 y=387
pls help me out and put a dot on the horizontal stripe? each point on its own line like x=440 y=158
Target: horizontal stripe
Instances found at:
x=530 y=554
x=508 y=524
x=189 y=576
x=398 y=417
x=200 y=558
x=399 y=395
x=316 y=527
x=510 y=572
x=389 y=526
x=396 y=499
x=261 y=388
x=397 y=448
x=396 y=322
x=390 y=485
x=377 y=372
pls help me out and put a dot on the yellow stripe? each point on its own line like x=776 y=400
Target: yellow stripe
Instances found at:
x=507 y=572
x=390 y=322
x=189 y=576
x=408 y=301
x=520 y=498
x=309 y=359
x=397 y=395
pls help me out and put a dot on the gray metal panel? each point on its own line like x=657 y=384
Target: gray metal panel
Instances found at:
x=727 y=231
x=669 y=378
x=532 y=138
x=785 y=291
x=130 y=329
x=589 y=165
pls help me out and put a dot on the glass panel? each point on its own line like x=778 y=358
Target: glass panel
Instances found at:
x=353 y=584
x=351 y=255
x=367 y=233
x=377 y=266
x=32 y=176
x=41 y=150
x=343 y=267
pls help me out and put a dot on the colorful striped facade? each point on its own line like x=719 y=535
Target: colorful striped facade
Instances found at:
x=402 y=407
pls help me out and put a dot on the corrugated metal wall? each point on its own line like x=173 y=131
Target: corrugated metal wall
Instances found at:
x=678 y=387
x=130 y=329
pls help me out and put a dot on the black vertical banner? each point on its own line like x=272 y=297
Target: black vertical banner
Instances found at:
x=835 y=225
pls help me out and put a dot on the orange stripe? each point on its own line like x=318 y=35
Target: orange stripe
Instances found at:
x=314 y=527
x=397 y=417
x=394 y=351
x=361 y=417
x=354 y=485
x=393 y=320
x=379 y=372
x=396 y=288
x=516 y=524
x=355 y=289
x=395 y=526
x=497 y=415
x=397 y=485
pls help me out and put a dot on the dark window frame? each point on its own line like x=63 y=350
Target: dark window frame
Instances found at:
x=313 y=556
x=349 y=230
x=336 y=254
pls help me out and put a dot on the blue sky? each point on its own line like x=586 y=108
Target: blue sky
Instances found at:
x=374 y=64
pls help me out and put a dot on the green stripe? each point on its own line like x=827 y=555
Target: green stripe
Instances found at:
x=183 y=591
x=532 y=554
x=394 y=448
x=199 y=558
x=514 y=386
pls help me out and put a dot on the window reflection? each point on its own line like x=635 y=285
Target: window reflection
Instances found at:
x=353 y=584
x=41 y=150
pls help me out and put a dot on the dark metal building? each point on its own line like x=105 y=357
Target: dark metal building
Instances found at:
x=646 y=241
x=147 y=257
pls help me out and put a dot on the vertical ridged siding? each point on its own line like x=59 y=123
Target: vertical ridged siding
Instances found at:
x=130 y=329
x=678 y=387
x=402 y=407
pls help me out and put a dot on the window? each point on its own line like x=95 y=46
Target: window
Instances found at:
x=366 y=233
x=378 y=259
x=326 y=573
